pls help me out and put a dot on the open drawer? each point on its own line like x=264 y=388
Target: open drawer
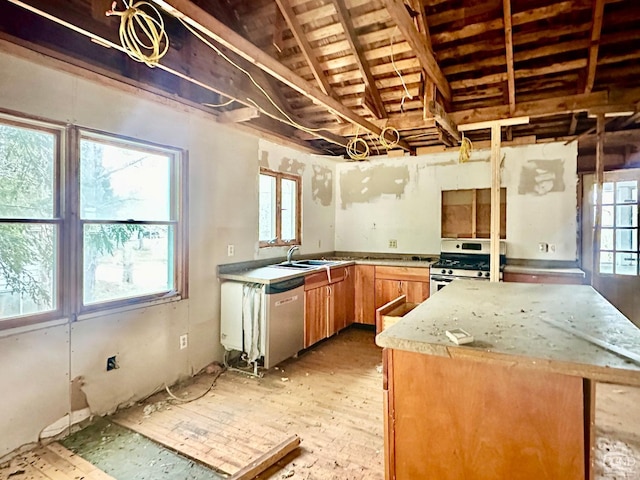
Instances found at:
x=391 y=312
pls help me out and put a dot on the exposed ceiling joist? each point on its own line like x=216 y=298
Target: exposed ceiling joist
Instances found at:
x=508 y=41
x=444 y=120
x=370 y=85
x=239 y=115
x=596 y=29
x=401 y=17
x=216 y=30
x=305 y=47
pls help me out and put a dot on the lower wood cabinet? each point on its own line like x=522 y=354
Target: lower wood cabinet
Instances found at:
x=328 y=303
x=364 y=290
x=391 y=282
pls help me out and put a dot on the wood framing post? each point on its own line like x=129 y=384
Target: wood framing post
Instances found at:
x=495 y=203
x=597 y=224
x=495 y=127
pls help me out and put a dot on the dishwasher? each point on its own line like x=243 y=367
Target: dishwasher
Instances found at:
x=264 y=322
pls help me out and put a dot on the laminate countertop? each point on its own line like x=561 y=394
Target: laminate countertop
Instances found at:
x=568 y=329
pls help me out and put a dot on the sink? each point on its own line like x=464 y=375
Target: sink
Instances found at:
x=295 y=265
x=314 y=263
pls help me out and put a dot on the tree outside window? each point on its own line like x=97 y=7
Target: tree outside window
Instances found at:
x=279 y=217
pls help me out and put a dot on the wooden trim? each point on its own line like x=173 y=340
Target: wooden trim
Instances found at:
x=508 y=40
x=218 y=31
x=599 y=180
x=596 y=30
x=490 y=124
x=495 y=203
x=279 y=176
x=401 y=17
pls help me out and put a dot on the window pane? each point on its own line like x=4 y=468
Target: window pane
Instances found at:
x=627 y=192
x=122 y=183
x=289 y=195
x=27 y=269
x=607 y=216
x=607 y=193
x=27 y=159
x=122 y=261
x=626 y=263
x=606 y=262
x=626 y=239
x=267 y=221
x=606 y=239
x=627 y=216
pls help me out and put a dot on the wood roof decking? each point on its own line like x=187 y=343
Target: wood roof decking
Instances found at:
x=552 y=60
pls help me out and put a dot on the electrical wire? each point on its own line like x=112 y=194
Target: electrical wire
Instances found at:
x=187 y=400
x=406 y=94
x=290 y=121
x=383 y=139
x=141 y=34
x=466 y=149
x=218 y=105
x=353 y=151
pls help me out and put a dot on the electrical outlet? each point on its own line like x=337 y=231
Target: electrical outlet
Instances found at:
x=231 y=250
x=112 y=363
x=393 y=244
x=543 y=247
x=184 y=341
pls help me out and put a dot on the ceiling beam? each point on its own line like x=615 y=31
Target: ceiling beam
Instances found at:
x=216 y=30
x=305 y=47
x=358 y=52
x=596 y=29
x=239 y=115
x=508 y=41
x=444 y=120
x=401 y=17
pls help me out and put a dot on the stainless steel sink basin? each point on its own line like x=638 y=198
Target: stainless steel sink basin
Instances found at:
x=305 y=264
x=314 y=263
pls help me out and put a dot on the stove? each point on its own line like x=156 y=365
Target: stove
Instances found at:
x=464 y=258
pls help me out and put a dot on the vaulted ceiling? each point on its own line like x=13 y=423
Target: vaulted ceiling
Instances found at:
x=321 y=73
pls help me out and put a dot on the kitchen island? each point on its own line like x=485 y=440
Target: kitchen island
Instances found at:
x=516 y=403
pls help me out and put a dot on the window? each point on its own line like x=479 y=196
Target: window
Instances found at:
x=619 y=233
x=279 y=222
x=103 y=225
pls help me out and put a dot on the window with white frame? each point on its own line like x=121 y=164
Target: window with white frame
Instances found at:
x=99 y=227
x=279 y=209
x=619 y=226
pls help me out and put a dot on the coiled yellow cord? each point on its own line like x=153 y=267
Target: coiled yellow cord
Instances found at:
x=352 y=148
x=386 y=143
x=142 y=34
x=466 y=149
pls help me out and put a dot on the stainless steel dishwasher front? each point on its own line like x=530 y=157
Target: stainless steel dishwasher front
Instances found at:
x=281 y=319
x=284 y=320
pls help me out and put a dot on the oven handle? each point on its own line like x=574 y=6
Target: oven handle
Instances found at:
x=441 y=279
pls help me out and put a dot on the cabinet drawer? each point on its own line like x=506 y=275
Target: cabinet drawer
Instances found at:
x=321 y=278
x=420 y=274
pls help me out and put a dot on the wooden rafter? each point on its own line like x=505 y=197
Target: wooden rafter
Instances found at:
x=352 y=38
x=401 y=17
x=508 y=42
x=208 y=25
x=305 y=47
x=596 y=29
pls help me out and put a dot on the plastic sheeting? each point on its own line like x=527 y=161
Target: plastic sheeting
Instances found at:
x=252 y=299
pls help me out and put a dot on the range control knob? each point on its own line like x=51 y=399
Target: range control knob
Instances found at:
x=479 y=274
x=443 y=271
x=450 y=272
x=486 y=274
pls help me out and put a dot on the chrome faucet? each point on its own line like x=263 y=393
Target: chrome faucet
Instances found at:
x=290 y=252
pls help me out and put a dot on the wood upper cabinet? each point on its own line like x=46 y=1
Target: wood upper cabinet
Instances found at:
x=328 y=303
x=391 y=282
x=364 y=291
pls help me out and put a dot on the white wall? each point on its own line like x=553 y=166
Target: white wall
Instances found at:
x=37 y=364
x=400 y=199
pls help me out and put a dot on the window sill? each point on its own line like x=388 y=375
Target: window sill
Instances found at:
x=126 y=308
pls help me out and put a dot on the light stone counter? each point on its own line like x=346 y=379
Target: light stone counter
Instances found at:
x=529 y=270
x=273 y=274
x=524 y=324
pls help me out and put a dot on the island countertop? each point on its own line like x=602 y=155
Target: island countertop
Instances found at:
x=553 y=327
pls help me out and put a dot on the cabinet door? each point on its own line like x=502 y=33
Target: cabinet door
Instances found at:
x=387 y=290
x=364 y=291
x=416 y=292
x=315 y=315
x=342 y=302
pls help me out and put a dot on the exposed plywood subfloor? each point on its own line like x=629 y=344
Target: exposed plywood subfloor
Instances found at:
x=331 y=399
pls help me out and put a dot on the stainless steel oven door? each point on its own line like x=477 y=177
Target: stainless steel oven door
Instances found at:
x=438 y=282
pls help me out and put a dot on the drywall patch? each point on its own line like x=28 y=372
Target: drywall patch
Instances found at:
x=539 y=177
x=322 y=185
x=361 y=185
x=264 y=159
x=289 y=165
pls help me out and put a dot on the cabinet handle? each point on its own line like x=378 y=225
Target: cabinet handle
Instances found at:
x=400 y=286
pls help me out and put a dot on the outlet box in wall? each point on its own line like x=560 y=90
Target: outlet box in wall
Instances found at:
x=184 y=341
